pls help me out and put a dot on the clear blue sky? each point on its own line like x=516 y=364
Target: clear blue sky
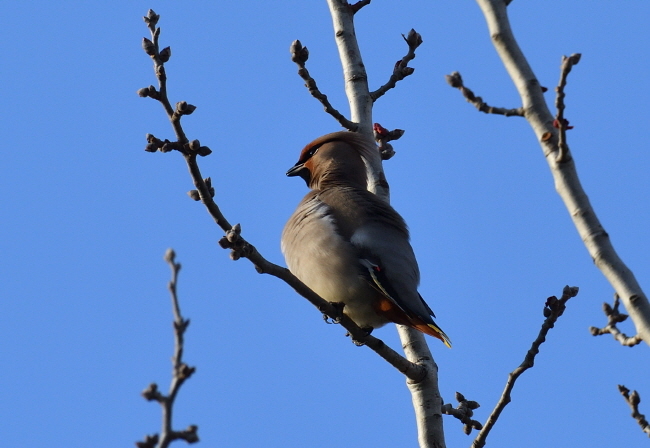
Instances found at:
x=87 y=215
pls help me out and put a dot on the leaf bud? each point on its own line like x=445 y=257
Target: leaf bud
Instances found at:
x=454 y=80
x=165 y=54
x=204 y=151
x=195 y=145
x=148 y=46
x=194 y=194
x=151 y=18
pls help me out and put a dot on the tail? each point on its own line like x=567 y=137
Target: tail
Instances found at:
x=432 y=330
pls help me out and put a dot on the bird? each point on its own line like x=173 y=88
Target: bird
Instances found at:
x=350 y=246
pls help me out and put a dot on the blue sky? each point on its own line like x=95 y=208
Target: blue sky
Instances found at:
x=87 y=215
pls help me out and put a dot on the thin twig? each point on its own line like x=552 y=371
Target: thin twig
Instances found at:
x=456 y=81
x=552 y=311
x=180 y=373
x=242 y=248
x=560 y=122
x=299 y=55
x=614 y=317
x=633 y=401
x=464 y=412
x=401 y=69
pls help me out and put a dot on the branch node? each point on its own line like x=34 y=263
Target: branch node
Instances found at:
x=238 y=246
x=614 y=316
x=463 y=412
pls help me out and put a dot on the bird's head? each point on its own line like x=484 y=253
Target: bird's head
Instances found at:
x=338 y=157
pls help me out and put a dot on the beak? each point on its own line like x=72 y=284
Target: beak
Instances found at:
x=299 y=169
x=296 y=170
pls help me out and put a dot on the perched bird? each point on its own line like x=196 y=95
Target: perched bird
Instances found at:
x=350 y=246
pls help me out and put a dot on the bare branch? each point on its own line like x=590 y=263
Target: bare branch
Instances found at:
x=565 y=176
x=553 y=309
x=159 y=58
x=299 y=55
x=464 y=412
x=242 y=248
x=456 y=81
x=633 y=401
x=614 y=317
x=358 y=5
x=425 y=395
x=401 y=69
x=354 y=71
x=560 y=122
x=180 y=372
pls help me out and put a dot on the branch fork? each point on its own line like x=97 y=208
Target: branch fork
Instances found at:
x=463 y=412
x=614 y=316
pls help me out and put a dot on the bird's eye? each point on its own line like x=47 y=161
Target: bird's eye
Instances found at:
x=309 y=154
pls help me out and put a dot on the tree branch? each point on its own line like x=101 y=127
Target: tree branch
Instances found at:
x=614 y=317
x=553 y=309
x=358 y=5
x=299 y=55
x=180 y=373
x=356 y=86
x=401 y=69
x=242 y=248
x=633 y=401
x=464 y=412
x=560 y=122
x=456 y=81
x=425 y=395
x=566 y=179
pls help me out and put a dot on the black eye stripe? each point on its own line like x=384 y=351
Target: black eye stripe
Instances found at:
x=309 y=154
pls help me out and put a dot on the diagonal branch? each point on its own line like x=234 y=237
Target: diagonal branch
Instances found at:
x=614 y=317
x=401 y=69
x=553 y=309
x=565 y=176
x=633 y=401
x=299 y=55
x=456 y=81
x=242 y=248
